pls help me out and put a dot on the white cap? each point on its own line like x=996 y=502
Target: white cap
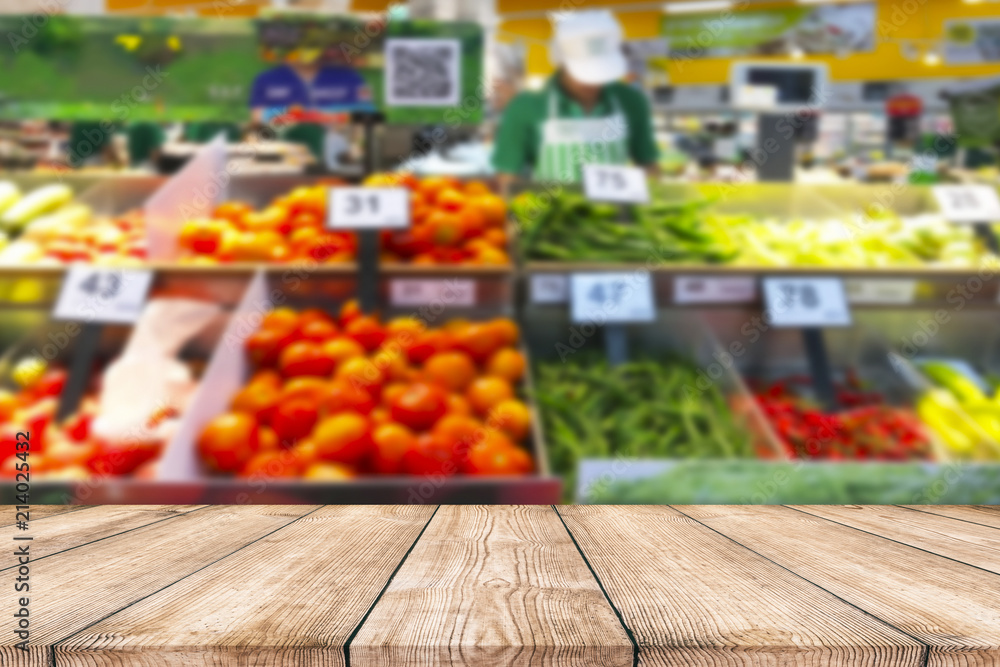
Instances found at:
x=589 y=45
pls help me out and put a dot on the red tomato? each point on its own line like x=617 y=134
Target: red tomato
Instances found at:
x=228 y=442
x=344 y=397
x=258 y=400
x=307 y=387
x=479 y=341
x=264 y=346
x=276 y=463
x=390 y=443
x=430 y=455
x=50 y=384
x=318 y=331
x=343 y=438
x=77 y=427
x=305 y=358
x=428 y=343
x=283 y=319
x=366 y=331
x=121 y=458
x=294 y=420
x=497 y=456
x=349 y=312
x=420 y=406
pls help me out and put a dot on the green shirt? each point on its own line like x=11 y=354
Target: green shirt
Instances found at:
x=143 y=139
x=518 y=140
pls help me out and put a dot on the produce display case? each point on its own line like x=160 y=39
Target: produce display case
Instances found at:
x=218 y=354
x=885 y=349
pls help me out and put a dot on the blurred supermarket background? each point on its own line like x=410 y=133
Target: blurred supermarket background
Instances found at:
x=259 y=251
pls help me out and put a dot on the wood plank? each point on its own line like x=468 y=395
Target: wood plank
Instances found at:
x=292 y=598
x=966 y=542
x=37 y=512
x=74 y=589
x=491 y=586
x=693 y=597
x=73 y=529
x=954 y=608
x=984 y=515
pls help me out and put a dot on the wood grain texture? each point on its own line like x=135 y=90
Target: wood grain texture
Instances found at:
x=36 y=513
x=693 y=597
x=70 y=530
x=73 y=589
x=502 y=585
x=954 y=608
x=291 y=598
x=984 y=515
x=966 y=542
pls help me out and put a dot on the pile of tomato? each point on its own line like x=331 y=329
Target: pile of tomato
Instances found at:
x=452 y=223
x=332 y=397
x=66 y=450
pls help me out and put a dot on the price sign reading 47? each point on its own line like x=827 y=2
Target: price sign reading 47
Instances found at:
x=612 y=298
x=806 y=302
x=102 y=296
x=619 y=185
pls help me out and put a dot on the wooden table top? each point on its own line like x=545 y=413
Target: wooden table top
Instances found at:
x=269 y=586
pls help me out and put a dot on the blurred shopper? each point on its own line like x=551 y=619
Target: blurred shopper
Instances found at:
x=583 y=115
x=145 y=141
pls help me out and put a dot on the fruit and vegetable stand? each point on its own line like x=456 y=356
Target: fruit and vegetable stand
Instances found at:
x=281 y=389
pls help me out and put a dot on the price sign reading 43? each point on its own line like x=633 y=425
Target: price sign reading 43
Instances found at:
x=620 y=185
x=806 y=302
x=368 y=208
x=612 y=298
x=102 y=296
x=968 y=203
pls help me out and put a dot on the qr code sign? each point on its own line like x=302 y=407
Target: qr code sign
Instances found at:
x=422 y=72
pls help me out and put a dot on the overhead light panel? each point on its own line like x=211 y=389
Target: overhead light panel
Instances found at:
x=698 y=6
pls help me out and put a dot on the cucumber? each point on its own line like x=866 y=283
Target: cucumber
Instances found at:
x=37 y=202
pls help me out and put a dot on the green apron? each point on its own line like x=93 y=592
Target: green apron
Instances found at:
x=569 y=143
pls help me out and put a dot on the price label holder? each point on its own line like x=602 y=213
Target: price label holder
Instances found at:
x=881 y=292
x=368 y=211
x=612 y=300
x=698 y=290
x=416 y=293
x=809 y=304
x=95 y=296
x=615 y=184
x=978 y=205
x=549 y=288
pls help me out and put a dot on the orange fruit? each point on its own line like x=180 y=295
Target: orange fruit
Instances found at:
x=432 y=186
x=393 y=390
x=284 y=319
x=273 y=463
x=258 y=400
x=428 y=343
x=451 y=370
x=401 y=326
x=343 y=438
x=492 y=257
x=306 y=387
x=512 y=417
x=507 y=363
x=493 y=208
x=486 y=392
x=379 y=416
x=460 y=431
x=389 y=443
x=478 y=340
x=458 y=405
x=497 y=458
x=495 y=237
x=450 y=199
x=477 y=188
x=343 y=397
x=268 y=439
x=342 y=349
x=228 y=442
x=446 y=228
x=361 y=372
x=473 y=222
x=328 y=472
x=506 y=329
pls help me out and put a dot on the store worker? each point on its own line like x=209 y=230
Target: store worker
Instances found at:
x=584 y=114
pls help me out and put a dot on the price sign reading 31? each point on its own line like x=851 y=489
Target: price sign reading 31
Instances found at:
x=368 y=208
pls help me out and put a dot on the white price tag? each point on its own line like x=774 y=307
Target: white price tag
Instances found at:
x=549 y=288
x=968 y=203
x=806 y=302
x=612 y=298
x=102 y=295
x=620 y=185
x=368 y=208
x=881 y=292
x=708 y=289
x=424 y=292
